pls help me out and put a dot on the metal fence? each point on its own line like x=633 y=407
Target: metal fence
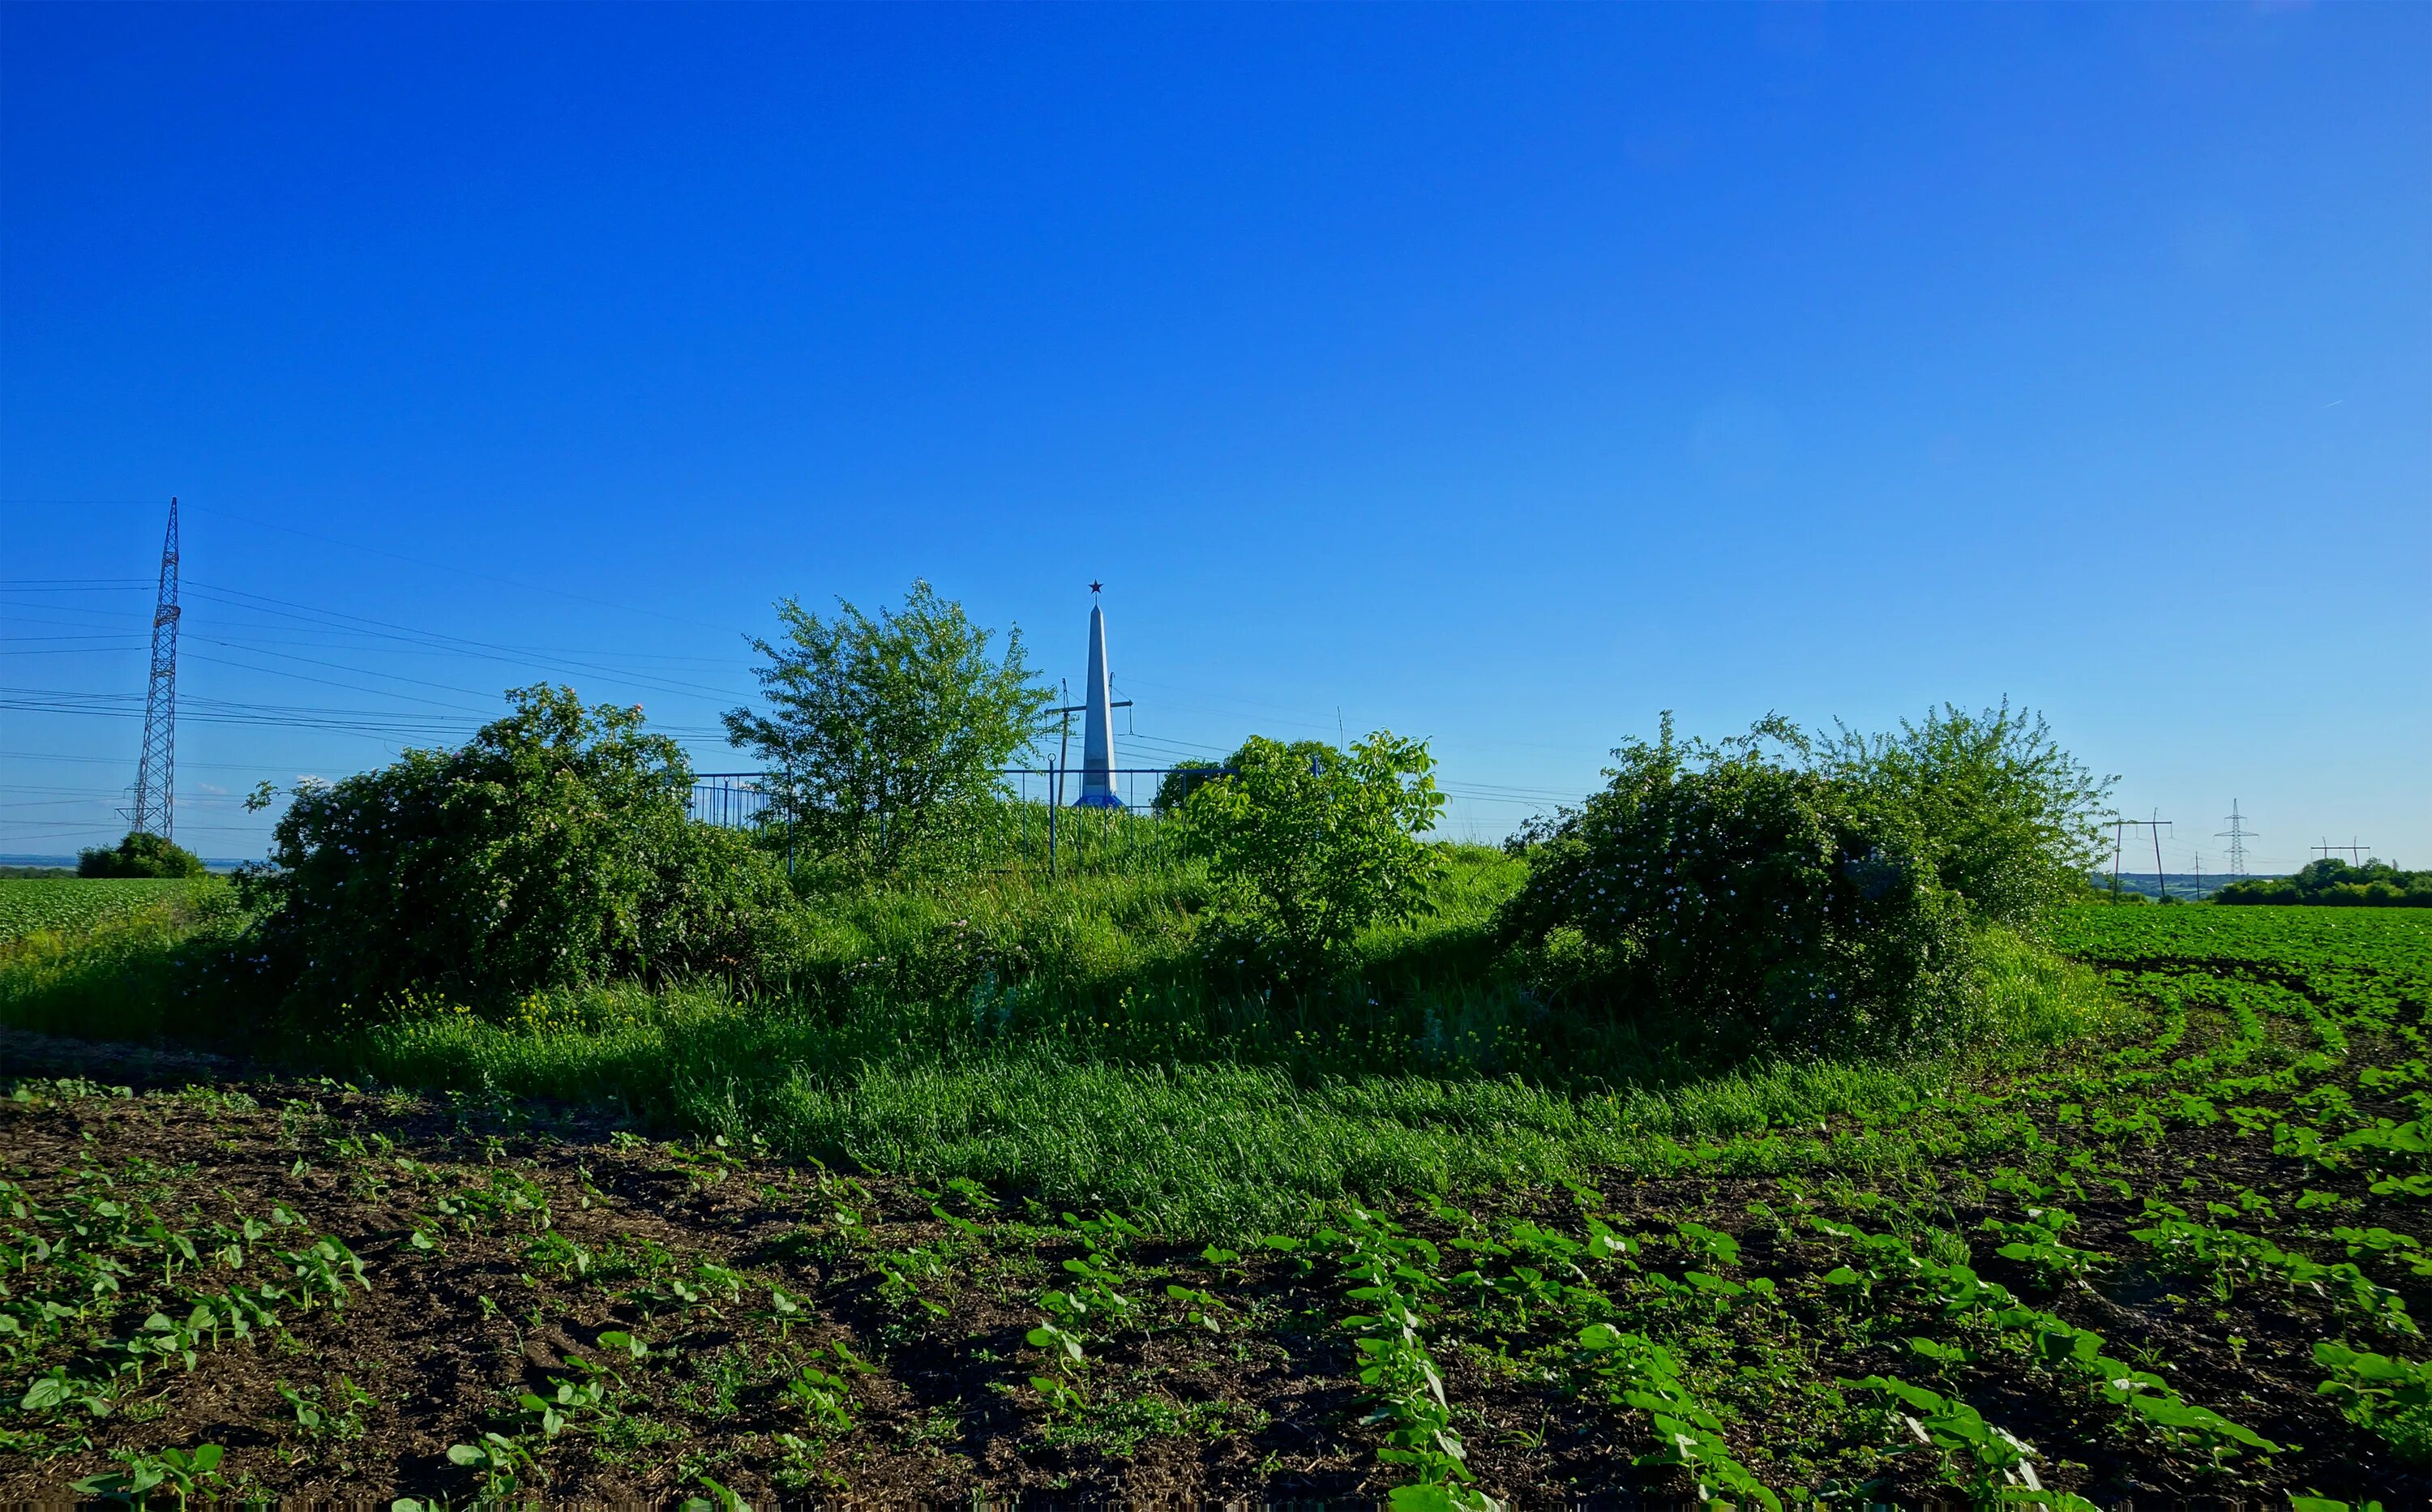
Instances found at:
x=1035 y=829
x=730 y=800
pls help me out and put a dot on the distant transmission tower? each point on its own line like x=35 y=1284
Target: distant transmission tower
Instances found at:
x=155 y=810
x=2238 y=835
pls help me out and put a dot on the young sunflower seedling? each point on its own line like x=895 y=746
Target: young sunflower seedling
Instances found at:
x=180 y=1472
x=821 y=1397
x=632 y=1346
x=499 y=1461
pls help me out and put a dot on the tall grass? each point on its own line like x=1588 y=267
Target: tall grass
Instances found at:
x=1198 y=1141
x=1077 y=1043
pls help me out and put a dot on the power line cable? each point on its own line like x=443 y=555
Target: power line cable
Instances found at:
x=457 y=569
x=463 y=644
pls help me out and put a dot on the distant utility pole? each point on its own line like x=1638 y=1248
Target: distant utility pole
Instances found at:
x=156 y=786
x=2354 y=850
x=2199 y=876
x=2157 y=824
x=2238 y=835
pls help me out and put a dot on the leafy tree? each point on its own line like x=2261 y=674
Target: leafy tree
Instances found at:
x=1174 y=789
x=2328 y=882
x=1308 y=845
x=885 y=735
x=139 y=855
x=1742 y=896
x=552 y=849
x=2006 y=818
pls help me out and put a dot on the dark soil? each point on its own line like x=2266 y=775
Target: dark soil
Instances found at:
x=447 y=1338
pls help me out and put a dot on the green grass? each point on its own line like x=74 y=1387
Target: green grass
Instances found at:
x=1076 y=1042
x=108 y=958
x=29 y=904
x=1195 y=1143
x=118 y=974
x=1192 y=1148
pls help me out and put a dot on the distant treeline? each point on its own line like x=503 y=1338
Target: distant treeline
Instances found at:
x=2178 y=887
x=2337 y=884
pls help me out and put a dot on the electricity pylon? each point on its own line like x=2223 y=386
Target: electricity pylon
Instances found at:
x=2238 y=835
x=155 y=810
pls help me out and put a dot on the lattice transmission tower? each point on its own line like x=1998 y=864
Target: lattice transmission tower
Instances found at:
x=155 y=809
x=2238 y=835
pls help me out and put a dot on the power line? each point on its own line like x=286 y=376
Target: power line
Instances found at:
x=354 y=687
x=462 y=571
x=2119 y=828
x=378 y=551
x=111 y=761
x=460 y=645
x=71 y=584
x=327 y=629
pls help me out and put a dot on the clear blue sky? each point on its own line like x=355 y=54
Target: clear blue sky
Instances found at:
x=1501 y=375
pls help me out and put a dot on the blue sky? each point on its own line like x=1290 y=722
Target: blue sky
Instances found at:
x=1501 y=375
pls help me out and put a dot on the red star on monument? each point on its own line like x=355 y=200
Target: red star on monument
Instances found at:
x=1095 y=586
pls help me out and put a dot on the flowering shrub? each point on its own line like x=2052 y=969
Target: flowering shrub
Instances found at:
x=1744 y=900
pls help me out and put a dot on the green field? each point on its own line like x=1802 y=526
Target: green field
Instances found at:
x=2177 y=1255
x=31 y=904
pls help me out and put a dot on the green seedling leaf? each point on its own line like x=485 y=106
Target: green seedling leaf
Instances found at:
x=631 y=1345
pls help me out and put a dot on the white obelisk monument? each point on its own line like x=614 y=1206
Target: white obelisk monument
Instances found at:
x=1098 y=721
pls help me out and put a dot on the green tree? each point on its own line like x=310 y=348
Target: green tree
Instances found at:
x=553 y=848
x=139 y=855
x=1174 y=789
x=2008 y=819
x=1308 y=845
x=883 y=735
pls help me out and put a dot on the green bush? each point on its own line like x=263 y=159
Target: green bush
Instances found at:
x=139 y=855
x=1741 y=897
x=552 y=849
x=1307 y=847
